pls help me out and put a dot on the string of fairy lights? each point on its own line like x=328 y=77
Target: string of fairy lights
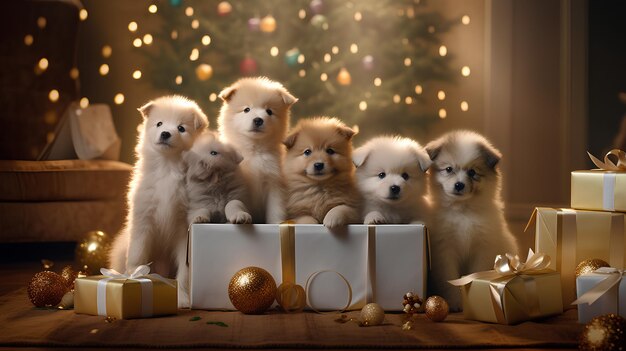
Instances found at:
x=268 y=24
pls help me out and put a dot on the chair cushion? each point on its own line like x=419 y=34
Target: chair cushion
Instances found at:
x=63 y=180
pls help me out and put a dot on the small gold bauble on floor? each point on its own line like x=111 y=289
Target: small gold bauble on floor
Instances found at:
x=252 y=290
x=606 y=332
x=436 y=308
x=69 y=276
x=46 y=289
x=588 y=266
x=372 y=314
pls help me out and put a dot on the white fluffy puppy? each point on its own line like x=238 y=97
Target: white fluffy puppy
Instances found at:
x=156 y=226
x=215 y=185
x=254 y=119
x=391 y=176
x=467 y=227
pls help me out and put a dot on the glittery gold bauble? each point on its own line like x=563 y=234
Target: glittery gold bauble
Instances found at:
x=69 y=276
x=204 y=72
x=372 y=314
x=91 y=252
x=291 y=297
x=606 y=332
x=588 y=266
x=46 y=289
x=436 y=308
x=252 y=290
x=268 y=24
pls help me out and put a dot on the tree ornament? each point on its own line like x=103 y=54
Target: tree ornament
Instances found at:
x=224 y=8
x=368 y=62
x=46 y=289
x=268 y=24
x=204 y=72
x=254 y=24
x=252 y=290
x=291 y=57
x=69 y=275
x=436 y=308
x=248 y=67
x=67 y=301
x=176 y=3
x=606 y=332
x=372 y=314
x=588 y=266
x=91 y=252
x=318 y=21
x=291 y=297
x=344 y=77
x=316 y=6
x=411 y=303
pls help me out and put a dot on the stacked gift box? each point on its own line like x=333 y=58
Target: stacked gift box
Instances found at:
x=593 y=229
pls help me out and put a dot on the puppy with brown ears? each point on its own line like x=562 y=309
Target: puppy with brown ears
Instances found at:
x=467 y=226
x=391 y=174
x=320 y=174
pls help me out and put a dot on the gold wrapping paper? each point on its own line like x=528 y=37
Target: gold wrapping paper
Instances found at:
x=599 y=190
x=571 y=236
x=522 y=298
x=123 y=297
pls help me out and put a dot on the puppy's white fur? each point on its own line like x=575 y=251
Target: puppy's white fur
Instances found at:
x=467 y=226
x=254 y=118
x=156 y=226
x=215 y=185
x=391 y=177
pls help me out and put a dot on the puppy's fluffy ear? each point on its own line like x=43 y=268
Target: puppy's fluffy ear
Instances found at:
x=423 y=159
x=145 y=109
x=433 y=149
x=288 y=99
x=227 y=93
x=290 y=141
x=491 y=155
x=360 y=156
x=347 y=132
x=200 y=120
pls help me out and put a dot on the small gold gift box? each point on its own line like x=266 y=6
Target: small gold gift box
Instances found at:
x=602 y=189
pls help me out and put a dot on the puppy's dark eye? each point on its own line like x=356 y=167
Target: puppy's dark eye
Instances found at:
x=382 y=175
x=330 y=151
x=269 y=112
x=307 y=152
x=471 y=173
x=449 y=169
x=405 y=176
x=246 y=110
x=214 y=153
x=181 y=129
x=159 y=124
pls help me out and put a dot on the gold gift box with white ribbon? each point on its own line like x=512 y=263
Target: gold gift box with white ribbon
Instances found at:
x=138 y=295
x=602 y=189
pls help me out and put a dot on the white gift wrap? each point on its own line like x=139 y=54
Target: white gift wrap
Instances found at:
x=381 y=263
x=612 y=301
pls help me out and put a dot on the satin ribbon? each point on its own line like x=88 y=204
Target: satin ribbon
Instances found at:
x=138 y=274
x=608 y=164
x=506 y=268
x=613 y=277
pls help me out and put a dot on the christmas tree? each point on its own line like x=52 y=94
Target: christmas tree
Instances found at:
x=362 y=61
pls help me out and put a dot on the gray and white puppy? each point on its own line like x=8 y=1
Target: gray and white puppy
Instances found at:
x=215 y=186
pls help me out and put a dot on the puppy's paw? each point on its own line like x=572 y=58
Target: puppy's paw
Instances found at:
x=201 y=219
x=375 y=217
x=306 y=220
x=241 y=217
x=334 y=219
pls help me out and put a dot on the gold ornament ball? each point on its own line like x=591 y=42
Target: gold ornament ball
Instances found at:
x=69 y=275
x=372 y=314
x=268 y=24
x=588 y=266
x=91 y=252
x=204 y=72
x=252 y=290
x=436 y=308
x=67 y=302
x=606 y=332
x=291 y=297
x=46 y=289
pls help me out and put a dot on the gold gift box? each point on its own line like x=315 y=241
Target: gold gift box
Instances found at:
x=513 y=300
x=124 y=298
x=571 y=236
x=599 y=190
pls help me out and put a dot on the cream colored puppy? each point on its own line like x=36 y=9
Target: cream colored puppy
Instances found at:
x=254 y=118
x=467 y=227
x=156 y=226
x=391 y=177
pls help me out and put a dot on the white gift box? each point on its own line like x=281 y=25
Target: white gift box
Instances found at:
x=605 y=291
x=380 y=263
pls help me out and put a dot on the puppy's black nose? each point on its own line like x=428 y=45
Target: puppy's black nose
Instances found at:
x=165 y=135
x=258 y=121
x=394 y=189
x=458 y=186
x=318 y=166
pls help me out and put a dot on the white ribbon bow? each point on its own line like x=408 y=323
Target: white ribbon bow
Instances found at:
x=613 y=276
x=142 y=270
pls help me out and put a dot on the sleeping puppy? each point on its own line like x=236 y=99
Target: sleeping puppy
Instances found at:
x=391 y=176
x=215 y=185
x=156 y=226
x=254 y=119
x=467 y=227
x=320 y=174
